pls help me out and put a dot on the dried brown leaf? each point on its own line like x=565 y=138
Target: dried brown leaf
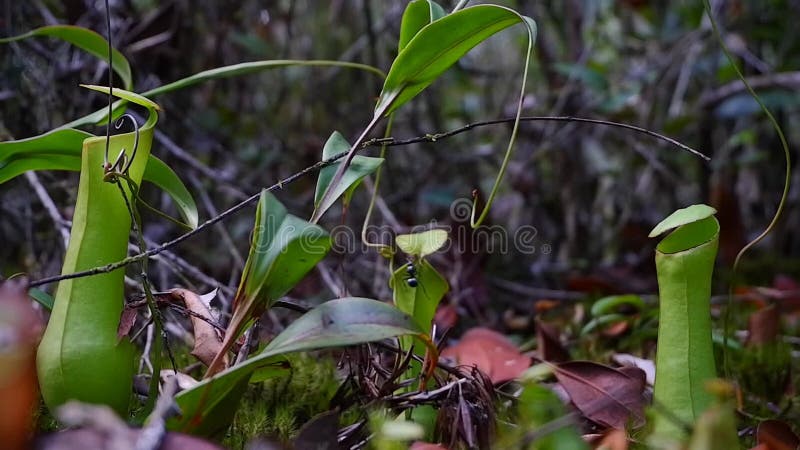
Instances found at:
x=207 y=339
x=604 y=395
x=763 y=326
x=548 y=343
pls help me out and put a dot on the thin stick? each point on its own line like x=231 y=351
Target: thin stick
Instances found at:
x=435 y=137
x=391 y=142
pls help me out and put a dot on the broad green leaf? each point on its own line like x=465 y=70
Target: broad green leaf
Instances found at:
x=284 y=248
x=63 y=141
x=38 y=161
x=360 y=168
x=683 y=216
x=344 y=321
x=421 y=244
x=418 y=13
x=685 y=356
x=209 y=406
x=421 y=301
x=86 y=40
x=438 y=45
x=61 y=150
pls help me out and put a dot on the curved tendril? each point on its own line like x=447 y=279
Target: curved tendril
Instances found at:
x=123 y=163
x=135 y=139
x=106 y=165
x=474 y=223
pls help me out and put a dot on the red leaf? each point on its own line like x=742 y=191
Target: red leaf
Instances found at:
x=603 y=394
x=491 y=352
x=777 y=435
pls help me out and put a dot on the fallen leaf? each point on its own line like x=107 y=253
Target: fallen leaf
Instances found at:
x=207 y=338
x=20 y=329
x=777 y=435
x=647 y=365
x=126 y=321
x=604 y=395
x=491 y=352
x=548 y=343
x=763 y=326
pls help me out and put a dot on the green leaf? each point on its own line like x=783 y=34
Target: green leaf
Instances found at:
x=418 y=13
x=421 y=301
x=253 y=67
x=61 y=150
x=360 y=168
x=284 y=248
x=86 y=40
x=209 y=407
x=612 y=304
x=421 y=244
x=125 y=95
x=683 y=216
x=99 y=116
x=161 y=175
x=41 y=297
x=344 y=321
x=438 y=45
x=538 y=406
x=685 y=357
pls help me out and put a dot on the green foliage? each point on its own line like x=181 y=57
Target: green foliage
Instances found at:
x=359 y=168
x=538 y=407
x=419 y=301
x=208 y=407
x=278 y=407
x=417 y=15
x=422 y=244
x=61 y=150
x=438 y=45
x=86 y=40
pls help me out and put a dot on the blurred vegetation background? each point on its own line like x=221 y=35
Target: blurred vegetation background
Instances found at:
x=591 y=192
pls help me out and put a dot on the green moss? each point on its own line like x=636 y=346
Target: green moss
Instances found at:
x=277 y=408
